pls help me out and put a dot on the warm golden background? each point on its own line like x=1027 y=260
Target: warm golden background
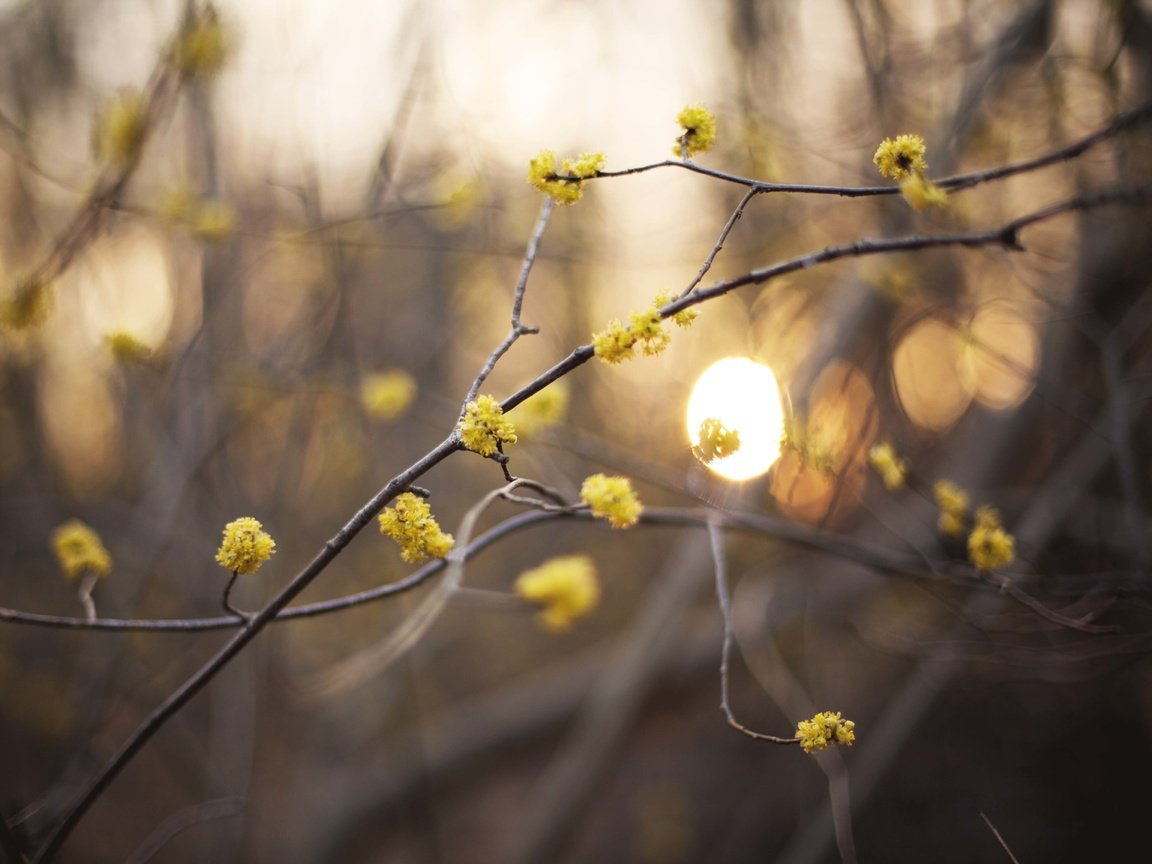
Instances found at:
x=373 y=157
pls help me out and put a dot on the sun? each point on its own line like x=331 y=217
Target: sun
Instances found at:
x=743 y=395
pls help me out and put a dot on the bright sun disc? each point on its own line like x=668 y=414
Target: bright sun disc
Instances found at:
x=743 y=395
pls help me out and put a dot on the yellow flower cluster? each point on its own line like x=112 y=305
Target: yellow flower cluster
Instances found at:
x=892 y=469
x=699 y=131
x=541 y=410
x=127 y=348
x=645 y=329
x=920 y=192
x=409 y=521
x=684 y=317
x=26 y=307
x=715 y=441
x=202 y=46
x=825 y=729
x=806 y=439
x=120 y=127
x=483 y=428
x=902 y=159
x=207 y=218
x=898 y=157
x=612 y=498
x=245 y=546
x=213 y=220
x=565 y=587
x=567 y=187
x=953 y=504
x=989 y=545
x=387 y=395
x=79 y=550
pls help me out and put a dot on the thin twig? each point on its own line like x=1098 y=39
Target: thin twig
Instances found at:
x=720 y=567
x=996 y=833
x=518 y=328
x=84 y=594
x=184 y=693
x=955 y=183
x=719 y=244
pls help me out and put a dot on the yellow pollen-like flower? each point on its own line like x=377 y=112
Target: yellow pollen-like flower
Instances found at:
x=567 y=187
x=79 y=550
x=684 y=317
x=387 y=395
x=647 y=328
x=409 y=521
x=120 y=127
x=715 y=441
x=920 y=192
x=699 y=131
x=213 y=220
x=483 y=428
x=987 y=516
x=990 y=547
x=615 y=344
x=892 y=469
x=202 y=46
x=587 y=165
x=825 y=729
x=26 y=307
x=612 y=498
x=541 y=410
x=245 y=546
x=899 y=157
x=950 y=498
x=951 y=525
x=566 y=588
x=127 y=348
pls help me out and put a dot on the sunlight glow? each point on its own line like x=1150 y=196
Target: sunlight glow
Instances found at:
x=743 y=395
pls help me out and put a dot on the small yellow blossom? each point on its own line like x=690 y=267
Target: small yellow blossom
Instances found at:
x=587 y=165
x=178 y=203
x=647 y=329
x=615 y=344
x=920 y=192
x=79 y=550
x=566 y=588
x=612 y=498
x=27 y=307
x=825 y=729
x=541 y=410
x=811 y=443
x=245 y=546
x=409 y=521
x=213 y=220
x=120 y=128
x=892 y=469
x=684 y=317
x=951 y=525
x=715 y=441
x=127 y=348
x=387 y=395
x=899 y=157
x=202 y=46
x=567 y=187
x=990 y=547
x=987 y=516
x=953 y=504
x=699 y=131
x=483 y=428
